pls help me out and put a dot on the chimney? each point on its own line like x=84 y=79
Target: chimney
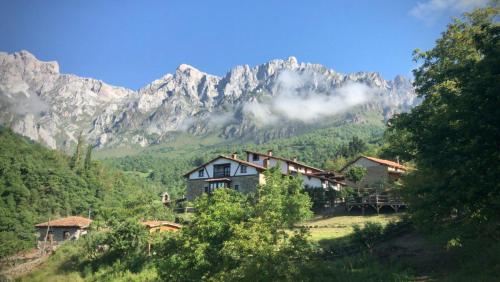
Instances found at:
x=270 y=153
x=234 y=155
x=294 y=159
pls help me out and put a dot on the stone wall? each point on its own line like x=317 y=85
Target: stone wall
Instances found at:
x=58 y=233
x=246 y=184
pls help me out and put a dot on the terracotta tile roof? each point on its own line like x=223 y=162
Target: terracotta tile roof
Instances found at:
x=157 y=223
x=258 y=167
x=70 y=221
x=285 y=160
x=387 y=163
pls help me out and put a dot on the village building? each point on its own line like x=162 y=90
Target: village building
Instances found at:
x=244 y=175
x=379 y=172
x=161 y=226
x=54 y=232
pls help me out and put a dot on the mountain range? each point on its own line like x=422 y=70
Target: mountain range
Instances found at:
x=277 y=99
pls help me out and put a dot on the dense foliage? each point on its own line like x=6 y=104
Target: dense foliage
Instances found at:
x=454 y=135
x=235 y=237
x=37 y=184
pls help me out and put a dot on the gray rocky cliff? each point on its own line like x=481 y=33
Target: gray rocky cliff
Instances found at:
x=53 y=108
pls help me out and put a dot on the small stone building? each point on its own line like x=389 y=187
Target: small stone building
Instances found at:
x=378 y=171
x=54 y=232
x=161 y=225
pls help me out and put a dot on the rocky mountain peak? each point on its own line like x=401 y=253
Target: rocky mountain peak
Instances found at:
x=39 y=102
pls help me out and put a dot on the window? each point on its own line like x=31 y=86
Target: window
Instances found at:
x=255 y=157
x=237 y=187
x=243 y=169
x=201 y=173
x=215 y=185
x=222 y=170
x=66 y=235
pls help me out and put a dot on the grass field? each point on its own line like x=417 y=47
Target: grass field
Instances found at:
x=342 y=225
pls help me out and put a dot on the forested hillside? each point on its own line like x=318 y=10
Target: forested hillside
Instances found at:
x=327 y=148
x=37 y=184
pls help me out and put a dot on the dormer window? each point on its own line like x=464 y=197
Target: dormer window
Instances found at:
x=255 y=157
x=243 y=169
x=201 y=173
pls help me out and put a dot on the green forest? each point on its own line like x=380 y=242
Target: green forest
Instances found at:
x=38 y=184
x=452 y=222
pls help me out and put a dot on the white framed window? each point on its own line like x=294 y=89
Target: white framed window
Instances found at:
x=201 y=173
x=243 y=169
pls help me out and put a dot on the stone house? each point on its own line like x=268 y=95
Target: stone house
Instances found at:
x=54 y=232
x=245 y=175
x=378 y=171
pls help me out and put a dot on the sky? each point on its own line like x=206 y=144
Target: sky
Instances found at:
x=131 y=43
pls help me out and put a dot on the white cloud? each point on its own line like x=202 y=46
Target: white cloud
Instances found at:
x=294 y=99
x=431 y=10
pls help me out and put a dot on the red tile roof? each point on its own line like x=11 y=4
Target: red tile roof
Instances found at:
x=70 y=221
x=157 y=223
x=387 y=163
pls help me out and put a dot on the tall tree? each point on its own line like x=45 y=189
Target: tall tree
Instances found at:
x=454 y=135
x=88 y=158
x=76 y=160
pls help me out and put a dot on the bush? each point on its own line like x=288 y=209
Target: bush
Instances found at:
x=369 y=235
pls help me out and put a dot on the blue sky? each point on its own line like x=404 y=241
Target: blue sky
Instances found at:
x=131 y=43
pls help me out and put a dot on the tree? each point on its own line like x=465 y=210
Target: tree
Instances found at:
x=88 y=158
x=454 y=135
x=336 y=164
x=127 y=237
x=356 y=174
x=239 y=237
x=76 y=160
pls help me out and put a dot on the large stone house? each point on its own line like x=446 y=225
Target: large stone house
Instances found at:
x=245 y=174
x=378 y=171
x=54 y=232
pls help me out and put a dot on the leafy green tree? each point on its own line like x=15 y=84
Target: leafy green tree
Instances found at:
x=454 y=135
x=127 y=237
x=88 y=158
x=336 y=164
x=356 y=174
x=76 y=160
x=239 y=237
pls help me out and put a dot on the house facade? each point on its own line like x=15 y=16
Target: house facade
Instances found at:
x=244 y=175
x=378 y=171
x=54 y=232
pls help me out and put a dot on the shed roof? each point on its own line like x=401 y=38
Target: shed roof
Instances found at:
x=157 y=223
x=70 y=221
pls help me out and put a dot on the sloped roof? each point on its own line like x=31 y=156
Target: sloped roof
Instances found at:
x=258 y=167
x=70 y=221
x=157 y=223
x=284 y=159
x=379 y=161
